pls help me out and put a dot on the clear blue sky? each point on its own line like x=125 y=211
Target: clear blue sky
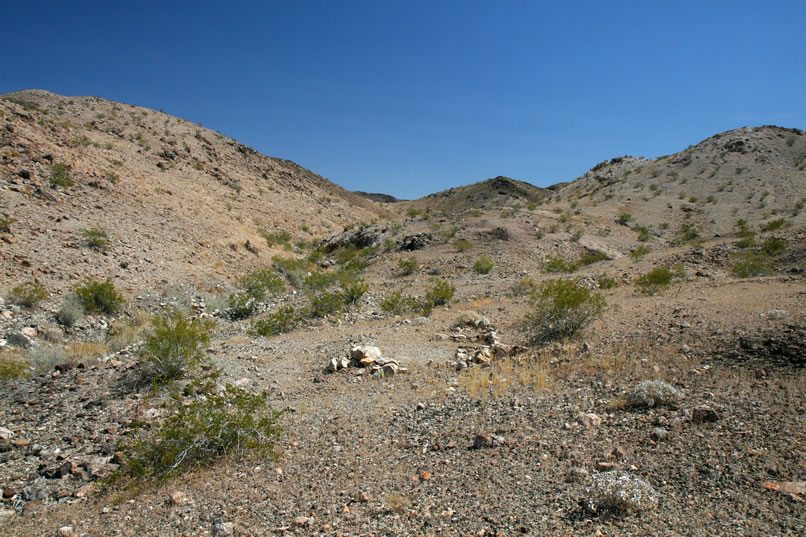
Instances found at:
x=410 y=97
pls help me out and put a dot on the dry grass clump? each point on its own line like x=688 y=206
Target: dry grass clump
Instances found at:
x=652 y=393
x=620 y=492
x=503 y=375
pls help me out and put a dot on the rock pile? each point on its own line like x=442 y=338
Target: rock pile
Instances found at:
x=484 y=354
x=367 y=357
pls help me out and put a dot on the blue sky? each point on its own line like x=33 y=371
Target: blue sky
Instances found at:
x=411 y=97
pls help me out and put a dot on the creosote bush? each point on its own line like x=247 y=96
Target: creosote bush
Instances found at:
x=96 y=238
x=751 y=264
x=439 y=293
x=658 y=278
x=407 y=266
x=174 y=345
x=640 y=251
x=353 y=291
x=483 y=265
x=98 y=296
x=28 y=294
x=286 y=319
x=60 y=176
x=398 y=303
x=325 y=304
x=560 y=309
x=233 y=423
x=462 y=245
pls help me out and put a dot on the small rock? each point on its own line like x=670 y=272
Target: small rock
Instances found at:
x=9 y=492
x=6 y=434
x=177 y=498
x=577 y=475
x=704 y=414
x=487 y=440
x=659 y=434
x=303 y=521
x=223 y=529
x=66 y=531
x=588 y=419
x=617 y=453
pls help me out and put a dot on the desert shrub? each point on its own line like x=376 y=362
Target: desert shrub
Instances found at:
x=462 y=245
x=295 y=270
x=773 y=246
x=745 y=243
x=232 y=423
x=98 y=296
x=398 y=303
x=241 y=305
x=652 y=393
x=407 y=266
x=325 y=304
x=524 y=287
x=752 y=264
x=644 y=234
x=173 y=346
x=274 y=238
x=606 y=281
x=60 y=175
x=5 y=223
x=43 y=358
x=439 y=293
x=624 y=219
x=96 y=238
x=558 y=264
x=658 y=278
x=775 y=225
x=261 y=283
x=70 y=311
x=12 y=366
x=640 y=251
x=483 y=265
x=620 y=492
x=560 y=309
x=353 y=291
x=318 y=280
x=28 y=294
x=283 y=320
x=589 y=258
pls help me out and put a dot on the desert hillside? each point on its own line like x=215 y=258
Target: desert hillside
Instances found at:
x=177 y=201
x=196 y=339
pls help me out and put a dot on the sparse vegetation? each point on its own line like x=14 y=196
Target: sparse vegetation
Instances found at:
x=560 y=309
x=750 y=264
x=775 y=225
x=60 y=176
x=407 y=266
x=97 y=296
x=201 y=431
x=558 y=264
x=96 y=238
x=286 y=319
x=398 y=303
x=174 y=346
x=439 y=293
x=658 y=279
x=624 y=219
x=325 y=304
x=462 y=245
x=28 y=294
x=606 y=281
x=483 y=265
x=639 y=252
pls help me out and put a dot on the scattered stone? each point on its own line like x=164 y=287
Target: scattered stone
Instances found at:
x=786 y=487
x=659 y=434
x=577 y=475
x=588 y=419
x=618 y=453
x=177 y=498
x=9 y=492
x=704 y=414
x=223 y=529
x=66 y=531
x=6 y=515
x=487 y=441
x=416 y=242
x=6 y=434
x=620 y=492
x=604 y=466
x=364 y=356
x=651 y=393
x=303 y=521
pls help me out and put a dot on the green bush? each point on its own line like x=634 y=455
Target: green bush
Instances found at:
x=688 y=233
x=173 y=346
x=318 y=281
x=658 y=278
x=353 y=291
x=560 y=309
x=407 y=266
x=232 y=423
x=242 y=305
x=274 y=238
x=640 y=251
x=397 y=303
x=283 y=320
x=773 y=246
x=70 y=311
x=28 y=294
x=589 y=258
x=60 y=175
x=12 y=366
x=483 y=265
x=5 y=223
x=752 y=264
x=439 y=293
x=261 y=283
x=295 y=270
x=624 y=219
x=462 y=245
x=644 y=234
x=326 y=304
x=96 y=238
x=745 y=243
x=558 y=264
x=775 y=225
x=606 y=281
x=99 y=296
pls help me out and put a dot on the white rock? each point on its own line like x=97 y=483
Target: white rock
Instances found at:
x=588 y=419
x=6 y=434
x=66 y=531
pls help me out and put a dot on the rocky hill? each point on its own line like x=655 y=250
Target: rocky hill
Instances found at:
x=178 y=202
x=755 y=174
x=496 y=192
